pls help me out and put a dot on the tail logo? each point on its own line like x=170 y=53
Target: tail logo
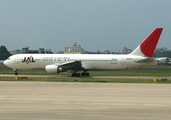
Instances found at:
x=149 y=44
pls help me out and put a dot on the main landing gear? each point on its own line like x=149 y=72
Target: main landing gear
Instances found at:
x=78 y=74
x=85 y=74
x=75 y=74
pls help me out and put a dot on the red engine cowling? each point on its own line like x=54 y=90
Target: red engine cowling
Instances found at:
x=53 y=69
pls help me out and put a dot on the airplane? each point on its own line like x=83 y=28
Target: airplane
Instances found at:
x=72 y=63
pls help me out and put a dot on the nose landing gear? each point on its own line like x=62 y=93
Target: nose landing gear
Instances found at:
x=15 y=72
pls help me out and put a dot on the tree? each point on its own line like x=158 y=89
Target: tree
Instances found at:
x=4 y=54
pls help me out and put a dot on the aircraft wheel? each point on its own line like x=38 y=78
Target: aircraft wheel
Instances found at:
x=87 y=74
x=78 y=74
x=75 y=74
x=15 y=73
x=82 y=74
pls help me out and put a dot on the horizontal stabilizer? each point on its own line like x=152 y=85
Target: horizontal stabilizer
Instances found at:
x=161 y=59
x=144 y=60
x=150 y=59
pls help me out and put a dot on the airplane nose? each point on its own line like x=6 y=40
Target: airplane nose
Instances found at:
x=5 y=62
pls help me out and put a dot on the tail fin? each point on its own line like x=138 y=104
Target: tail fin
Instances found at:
x=147 y=47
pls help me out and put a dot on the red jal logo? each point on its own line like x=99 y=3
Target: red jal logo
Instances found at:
x=28 y=59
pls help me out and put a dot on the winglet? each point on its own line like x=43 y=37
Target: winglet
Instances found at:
x=148 y=46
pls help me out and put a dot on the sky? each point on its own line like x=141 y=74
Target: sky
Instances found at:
x=93 y=24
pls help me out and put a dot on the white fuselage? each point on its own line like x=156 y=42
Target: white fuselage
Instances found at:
x=88 y=61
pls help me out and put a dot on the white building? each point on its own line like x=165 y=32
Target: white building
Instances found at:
x=74 y=48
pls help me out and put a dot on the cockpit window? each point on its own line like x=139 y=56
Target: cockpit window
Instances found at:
x=8 y=59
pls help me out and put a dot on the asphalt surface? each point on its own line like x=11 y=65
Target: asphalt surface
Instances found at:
x=84 y=101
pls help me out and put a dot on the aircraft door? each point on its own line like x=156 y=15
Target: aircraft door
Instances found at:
x=123 y=66
x=123 y=61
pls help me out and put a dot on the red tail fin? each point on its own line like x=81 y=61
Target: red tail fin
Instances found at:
x=147 y=47
x=149 y=44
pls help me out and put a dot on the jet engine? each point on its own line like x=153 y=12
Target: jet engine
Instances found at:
x=53 y=69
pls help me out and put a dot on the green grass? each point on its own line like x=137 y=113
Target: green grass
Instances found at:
x=101 y=80
x=130 y=72
x=133 y=72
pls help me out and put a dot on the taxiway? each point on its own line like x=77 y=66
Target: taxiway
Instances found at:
x=85 y=101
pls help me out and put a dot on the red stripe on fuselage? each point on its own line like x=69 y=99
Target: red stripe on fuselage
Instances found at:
x=29 y=60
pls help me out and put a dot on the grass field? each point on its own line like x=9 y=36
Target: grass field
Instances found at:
x=102 y=80
x=131 y=72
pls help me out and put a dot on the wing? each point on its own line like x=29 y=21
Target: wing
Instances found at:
x=151 y=60
x=71 y=65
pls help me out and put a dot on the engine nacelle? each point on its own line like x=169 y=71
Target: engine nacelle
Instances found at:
x=53 y=69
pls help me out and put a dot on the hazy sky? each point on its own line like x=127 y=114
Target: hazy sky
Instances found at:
x=93 y=24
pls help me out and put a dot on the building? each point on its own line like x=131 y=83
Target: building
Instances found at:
x=162 y=53
x=58 y=52
x=125 y=51
x=106 y=52
x=48 y=50
x=41 y=50
x=25 y=49
x=18 y=51
x=74 y=48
